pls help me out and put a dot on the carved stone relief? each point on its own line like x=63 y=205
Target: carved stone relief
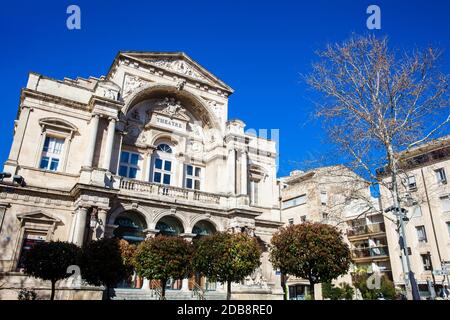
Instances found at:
x=180 y=66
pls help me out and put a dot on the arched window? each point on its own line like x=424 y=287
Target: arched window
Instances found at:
x=170 y=226
x=203 y=228
x=164 y=148
x=131 y=227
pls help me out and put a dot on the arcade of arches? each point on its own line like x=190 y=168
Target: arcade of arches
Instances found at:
x=132 y=227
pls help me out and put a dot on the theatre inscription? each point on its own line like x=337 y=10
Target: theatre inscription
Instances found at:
x=168 y=123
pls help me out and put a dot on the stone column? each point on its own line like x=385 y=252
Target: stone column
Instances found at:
x=146 y=284
x=80 y=226
x=92 y=140
x=232 y=171
x=2 y=214
x=19 y=133
x=185 y=284
x=244 y=173
x=102 y=215
x=109 y=144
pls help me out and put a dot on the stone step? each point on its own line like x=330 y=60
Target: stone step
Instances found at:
x=138 y=294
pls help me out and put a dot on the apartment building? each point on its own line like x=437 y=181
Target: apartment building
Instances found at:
x=337 y=196
x=425 y=194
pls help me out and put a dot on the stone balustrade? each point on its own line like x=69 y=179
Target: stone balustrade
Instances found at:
x=170 y=191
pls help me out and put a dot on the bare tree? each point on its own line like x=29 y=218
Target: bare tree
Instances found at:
x=376 y=103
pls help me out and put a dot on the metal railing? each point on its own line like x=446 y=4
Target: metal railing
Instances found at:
x=156 y=290
x=197 y=291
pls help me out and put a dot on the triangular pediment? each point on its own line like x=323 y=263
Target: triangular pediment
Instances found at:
x=181 y=64
x=38 y=215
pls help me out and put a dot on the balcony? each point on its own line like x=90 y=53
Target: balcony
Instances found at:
x=366 y=229
x=170 y=192
x=370 y=252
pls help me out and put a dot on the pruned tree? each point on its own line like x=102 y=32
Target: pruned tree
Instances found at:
x=226 y=257
x=376 y=103
x=50 y=260
x=102 y=264
x=163 y=258
x=312 y=251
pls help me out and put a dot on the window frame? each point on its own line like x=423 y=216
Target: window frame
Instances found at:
x=424 y=238
x=51 y=155
x=285 y=205
x=441 y=176
x=193 y=177
x=411 y=186
x=129 y=165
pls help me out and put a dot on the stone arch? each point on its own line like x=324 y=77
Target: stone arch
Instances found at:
x=204 y=227
x=170 y=225
x=165 y=213
x=197 y=106
x=217 y=225
x=131 y=226
x=163 y=137
x=113 y=214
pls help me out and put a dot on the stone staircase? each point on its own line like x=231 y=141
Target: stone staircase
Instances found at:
x=139 y=294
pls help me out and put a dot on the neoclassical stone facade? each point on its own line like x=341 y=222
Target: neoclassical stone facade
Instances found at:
x=146 y=149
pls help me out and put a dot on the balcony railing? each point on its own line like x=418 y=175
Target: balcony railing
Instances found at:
x=168 y=191
x=366 y=229
x=374 y=252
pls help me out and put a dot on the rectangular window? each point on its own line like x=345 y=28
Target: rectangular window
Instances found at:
x=324 y=215
x=129 y=164
x=162 y=171
x=193 y=177
x=254 y=192
x=294 y=202
x=323 y=198
x=29 y=240
x=291 y=221
x=421 y=234
x=412 y=185
x=303 y=218
x=51 y=154
x=426 y=261
x=441 y=176
x=416 y=211
x=445 y=204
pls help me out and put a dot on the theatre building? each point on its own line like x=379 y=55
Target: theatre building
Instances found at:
x=145 y=150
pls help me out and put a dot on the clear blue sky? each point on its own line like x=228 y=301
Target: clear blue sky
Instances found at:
x=259 y=48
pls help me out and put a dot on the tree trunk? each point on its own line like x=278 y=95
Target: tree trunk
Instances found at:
x=107 y=292
x=311 y=289
x=283 y=285
x=52 y=295
x=228 y=290
x=163 y=289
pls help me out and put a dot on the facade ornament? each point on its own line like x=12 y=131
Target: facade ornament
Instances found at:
x=196 y=129
x=131 y=84
x=179 y=66
x=181 y=84
x=109 y=94
x=172 y=107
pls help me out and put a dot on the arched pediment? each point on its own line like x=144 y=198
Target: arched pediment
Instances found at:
x=57 y=123
x=189 y=101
